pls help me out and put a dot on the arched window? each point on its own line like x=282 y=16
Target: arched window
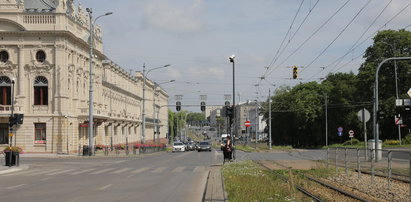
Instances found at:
x=5 y=90
x=40 y=56
x=41 y=91
x=4 y=56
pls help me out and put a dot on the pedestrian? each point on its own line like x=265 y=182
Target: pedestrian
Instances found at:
x=228 y=150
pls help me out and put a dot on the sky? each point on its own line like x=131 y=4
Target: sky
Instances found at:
x=267 y=37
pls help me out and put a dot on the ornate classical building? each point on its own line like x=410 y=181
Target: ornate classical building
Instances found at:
x=44 y=74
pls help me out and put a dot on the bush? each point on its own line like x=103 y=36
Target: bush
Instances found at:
x=354 y=141
x=407 y=139
x=391 y=142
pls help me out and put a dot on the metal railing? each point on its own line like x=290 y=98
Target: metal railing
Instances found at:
x=392 y=164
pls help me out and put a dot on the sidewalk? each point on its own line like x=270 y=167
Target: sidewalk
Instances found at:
x=215 y=188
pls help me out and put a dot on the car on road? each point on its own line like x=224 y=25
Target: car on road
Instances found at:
x=191 y=146
x=204 y=146
x=179 y=146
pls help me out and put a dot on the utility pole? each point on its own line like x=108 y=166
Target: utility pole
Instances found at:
x=269 y=119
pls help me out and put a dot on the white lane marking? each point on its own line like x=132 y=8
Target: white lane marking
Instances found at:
x=140 y=170
x=83 y=171
x=47 y=178
x=60 y=172
x=199 y=169
x=105 y=187
x=42 y=172
x=120 y=171
x=178 y=169
x=16 y=186
x=102 y=171
x=159 y=170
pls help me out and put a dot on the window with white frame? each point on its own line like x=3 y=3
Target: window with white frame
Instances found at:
x=40 y=133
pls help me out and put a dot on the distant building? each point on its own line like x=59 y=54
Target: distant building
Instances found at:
x=248 y=111
x=44 y=45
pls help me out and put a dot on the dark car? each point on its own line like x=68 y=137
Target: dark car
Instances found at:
x=204 y=146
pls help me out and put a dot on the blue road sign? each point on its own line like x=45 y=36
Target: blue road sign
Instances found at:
x=339 y=134
x=340 y=129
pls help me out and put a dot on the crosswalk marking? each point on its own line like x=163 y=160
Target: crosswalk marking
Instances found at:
x=140 y=170
x=83 y=171
x=102 y=171
x=20 y=173
x=60 y=172
x=42 y=172
x=199 y=169
x=120 y=171
x=95 y=171
x=159 y=170
x=178 y=169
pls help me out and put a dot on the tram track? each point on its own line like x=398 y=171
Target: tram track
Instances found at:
x=311 y=192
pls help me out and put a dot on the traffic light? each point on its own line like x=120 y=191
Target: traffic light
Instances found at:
x=203 y=107
x=178 y=106
x=380 y=115
x=12 y=120
x=295 y=72
x=229 y=112
x=20 y=118
x=227 y=103
x=16 y=119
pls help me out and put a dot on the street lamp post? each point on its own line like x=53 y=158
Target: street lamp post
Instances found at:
x=396 y=82
x=234 y=130
x=143 y=111
x=90 y=122
x=375 y=108
x=156 y=119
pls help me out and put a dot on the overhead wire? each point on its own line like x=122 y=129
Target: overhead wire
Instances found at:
x=285 y=36
x=341 y=32
x=311 y=36
x=292 y=37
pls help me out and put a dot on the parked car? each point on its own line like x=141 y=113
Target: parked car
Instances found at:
x=204 y=146
x=179 y=146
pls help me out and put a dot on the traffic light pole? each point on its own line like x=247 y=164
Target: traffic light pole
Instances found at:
x=375 y=123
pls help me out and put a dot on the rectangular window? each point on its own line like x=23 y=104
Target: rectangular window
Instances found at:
x=40 y=95
x=5 y=95
x=40 y=133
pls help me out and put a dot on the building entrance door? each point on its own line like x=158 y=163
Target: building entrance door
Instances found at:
x=4 y=133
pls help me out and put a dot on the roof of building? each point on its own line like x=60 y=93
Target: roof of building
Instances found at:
x=40 y=5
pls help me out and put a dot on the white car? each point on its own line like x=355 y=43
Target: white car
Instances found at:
x=179 y=146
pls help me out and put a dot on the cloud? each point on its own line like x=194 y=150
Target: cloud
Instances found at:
x=169 y=16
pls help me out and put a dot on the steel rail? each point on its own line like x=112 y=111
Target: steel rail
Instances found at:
x=317 y=181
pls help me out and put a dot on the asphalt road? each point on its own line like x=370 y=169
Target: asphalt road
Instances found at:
x=158 y=177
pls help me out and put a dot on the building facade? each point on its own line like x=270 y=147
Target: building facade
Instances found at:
x=44 y=74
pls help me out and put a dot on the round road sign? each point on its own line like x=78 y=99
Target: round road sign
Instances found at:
x=340 y=129
x=351 y=133
x=247 y=124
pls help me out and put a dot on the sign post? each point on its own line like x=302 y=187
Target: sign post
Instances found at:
x=351 y=135
x=364 y=116
x=247 y=127
x=340 y=132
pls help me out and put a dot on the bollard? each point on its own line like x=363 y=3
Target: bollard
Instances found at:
x=372 y=165
x=336 y=165
x=134 y=150
x=389 y=169
x=358 y=164
x=345 y=163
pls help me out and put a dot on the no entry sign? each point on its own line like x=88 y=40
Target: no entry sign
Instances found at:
x=247 y=124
